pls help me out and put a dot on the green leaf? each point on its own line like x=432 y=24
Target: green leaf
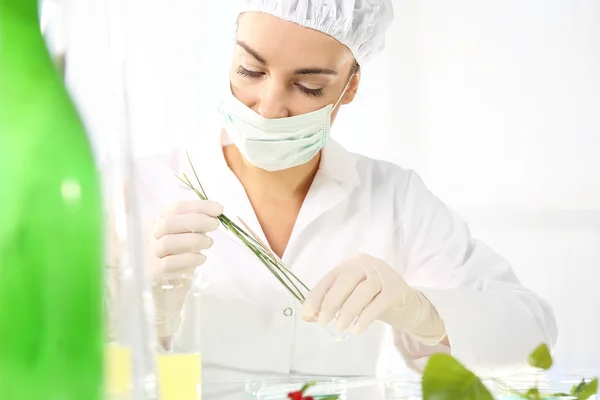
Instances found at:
x=533 y=394
x=585 y=390
x=558 y=395
x=541 y=358
x=306 y=386
x=445 y=378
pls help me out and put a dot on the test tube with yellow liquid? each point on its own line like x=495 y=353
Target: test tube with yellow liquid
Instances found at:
x=129 y=370
x=179 y=360
x=117 y=354
x=118 y=282
x=130 y=365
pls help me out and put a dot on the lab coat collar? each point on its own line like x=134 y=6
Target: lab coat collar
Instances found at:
x=339 y=164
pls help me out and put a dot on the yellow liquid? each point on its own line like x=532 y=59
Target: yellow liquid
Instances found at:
x=179 y=376
x=117 y=366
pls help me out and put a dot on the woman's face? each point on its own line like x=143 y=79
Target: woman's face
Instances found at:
x=281 y=69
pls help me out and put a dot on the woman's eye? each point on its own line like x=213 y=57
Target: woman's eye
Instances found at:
x=248 y=74
x=254 y=74
x=311 y=92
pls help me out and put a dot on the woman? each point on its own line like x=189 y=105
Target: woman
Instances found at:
x=374 y=244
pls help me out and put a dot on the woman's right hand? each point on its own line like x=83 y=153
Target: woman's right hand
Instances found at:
x=176 y=239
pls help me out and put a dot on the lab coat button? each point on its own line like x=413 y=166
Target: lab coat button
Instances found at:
x=288 y=312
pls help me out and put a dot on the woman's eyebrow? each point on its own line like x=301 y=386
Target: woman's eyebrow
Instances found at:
x=301 y=71
x=315 y=71
x=252 y=52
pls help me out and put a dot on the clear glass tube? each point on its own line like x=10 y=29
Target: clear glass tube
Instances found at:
x=131 y=342
x=118 y=354
x=117 y=283
x=179 y=359
x=129 y=368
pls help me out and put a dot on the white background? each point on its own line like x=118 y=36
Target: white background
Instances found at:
x=495 y=103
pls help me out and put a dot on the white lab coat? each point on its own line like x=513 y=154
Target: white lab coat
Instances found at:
x=250 y=324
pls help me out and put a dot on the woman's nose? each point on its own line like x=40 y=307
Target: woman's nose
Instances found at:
x=272 y=102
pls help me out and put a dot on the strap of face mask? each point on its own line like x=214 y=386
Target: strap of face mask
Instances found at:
x=343 y=93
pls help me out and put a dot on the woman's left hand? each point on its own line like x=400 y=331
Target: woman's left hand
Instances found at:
x=365 y=288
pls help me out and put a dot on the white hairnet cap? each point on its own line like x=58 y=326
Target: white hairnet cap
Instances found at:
x=361 y=25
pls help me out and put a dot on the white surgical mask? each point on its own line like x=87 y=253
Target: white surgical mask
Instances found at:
x=276 y=144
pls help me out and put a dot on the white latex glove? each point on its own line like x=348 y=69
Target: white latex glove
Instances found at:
x=176 y=239
x=366 y=289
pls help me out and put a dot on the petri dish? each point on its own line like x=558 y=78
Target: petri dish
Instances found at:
x=278 y=388
x=551 y=386
x=403 y=389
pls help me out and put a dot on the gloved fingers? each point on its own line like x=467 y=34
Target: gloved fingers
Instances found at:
x=184 y=223
x=181 y=280
x=360 y=298
x=169 y=298
x=379 y=304
x=185 y=275
x=168 y=327
x=312 y=303
x=181 y=243
x=341 y=289
x=168 y=304
x=179 y=262
x=210 y=208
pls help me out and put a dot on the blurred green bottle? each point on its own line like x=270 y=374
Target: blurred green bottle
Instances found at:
x=51 y=343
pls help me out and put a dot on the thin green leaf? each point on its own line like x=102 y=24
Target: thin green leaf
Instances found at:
x=201 y=193
x=541 y=357
x=195 y=174
x=291 y=274
x=281 y=279
x=187 y=183
x=445 y=378
x=287 y=274
x=585 y=390
x=306 y=386
x=264 y=258
x=287 y=278
x=242 y=232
